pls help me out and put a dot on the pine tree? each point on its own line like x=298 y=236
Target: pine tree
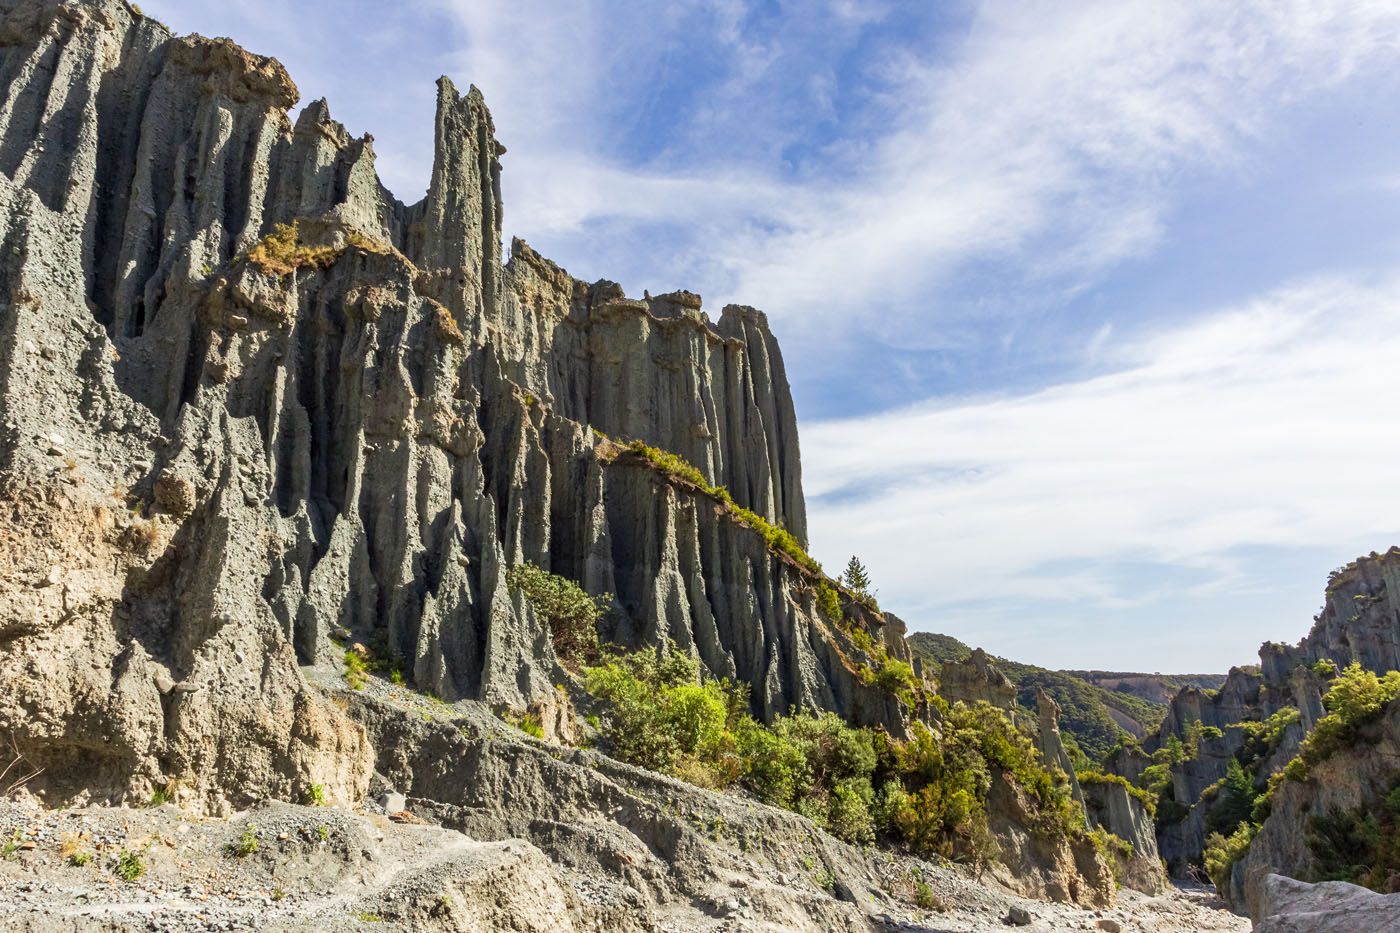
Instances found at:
x=855 y=578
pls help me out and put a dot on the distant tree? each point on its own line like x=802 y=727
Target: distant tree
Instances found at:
x=856 y=578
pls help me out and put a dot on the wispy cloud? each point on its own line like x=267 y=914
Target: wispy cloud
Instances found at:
x=1261 y=426
x=1050 y=134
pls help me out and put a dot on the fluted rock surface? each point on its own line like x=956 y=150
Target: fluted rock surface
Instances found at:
x=361 y=424
x=1360 y=622
x=1354 y=779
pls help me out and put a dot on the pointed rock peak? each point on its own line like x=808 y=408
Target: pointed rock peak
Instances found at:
x=315 y=118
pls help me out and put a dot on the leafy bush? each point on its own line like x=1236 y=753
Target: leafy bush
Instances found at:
x=933 y=787
x=130 y=865
x=572 y=615
x=828 y=601
x=247 y=842
x=898 y=678
x=657 y=709
x=1325 y=668
x=1223 y=852
x=1357 y=697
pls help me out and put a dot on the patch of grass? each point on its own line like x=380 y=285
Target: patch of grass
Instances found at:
x=528 y=722
x=926 y=899
x=779 y=540
x=316 y=795
x=283 y=252
x=79 y=859
x=356 y=669
x=365 y=916
x=10 y=849
x=247 y=842
x=323 y=832
x=130 y=865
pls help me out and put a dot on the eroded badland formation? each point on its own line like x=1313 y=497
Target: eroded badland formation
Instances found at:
x=351 y=577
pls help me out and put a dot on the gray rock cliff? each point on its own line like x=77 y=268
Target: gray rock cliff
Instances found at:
x=248 y=437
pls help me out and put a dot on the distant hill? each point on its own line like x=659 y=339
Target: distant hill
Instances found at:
x=1096 y=706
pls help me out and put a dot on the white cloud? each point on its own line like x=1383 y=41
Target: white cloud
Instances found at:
x=1050 y=135
x=1267 y=425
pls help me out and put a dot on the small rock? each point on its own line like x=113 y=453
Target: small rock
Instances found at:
x=1110 y=926
x=47 y=353
x=52 y=578
x=393 y=802
x=174 y=493
x=1018 y=917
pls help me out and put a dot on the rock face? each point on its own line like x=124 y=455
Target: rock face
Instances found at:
x=1289 y=906
x=1355 y=778
x=1110 y=805
x=1360 y=622
x=263 y=435
x=977 y=680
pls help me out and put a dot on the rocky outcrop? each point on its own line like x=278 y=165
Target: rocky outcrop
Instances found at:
x=1242 y=696
x=1354 y=779
x=977 y=680
x=1360 y=622
x=1050 y=744
x=1112 y=807
x=355 y=423
x=1289 y=906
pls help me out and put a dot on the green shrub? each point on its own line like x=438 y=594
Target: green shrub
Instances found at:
x=1223 y=852
x=247 y=842
x=829 y=601
x=1361 y=846
x=1325 y=668
x=933 y=787
x=316 y=795
x=1356 y=697
x=898 y=678
x=130 y=865
x=657 y=709
x=572 y=614
x=356 y=669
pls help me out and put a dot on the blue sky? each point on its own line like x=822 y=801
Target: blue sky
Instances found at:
x=1090 y=308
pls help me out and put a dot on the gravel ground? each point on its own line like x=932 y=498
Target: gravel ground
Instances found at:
x=284 y=866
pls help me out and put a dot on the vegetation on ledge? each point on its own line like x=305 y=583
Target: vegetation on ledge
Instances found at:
x=929 y=792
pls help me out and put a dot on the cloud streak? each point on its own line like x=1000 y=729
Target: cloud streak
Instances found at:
x=1260 y=426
